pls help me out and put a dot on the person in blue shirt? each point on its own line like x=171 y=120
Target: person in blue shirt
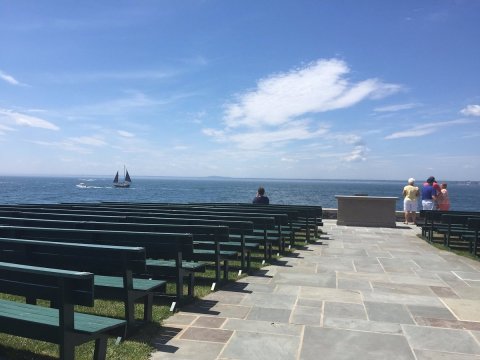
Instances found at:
x=429 y=194
x=260 y=198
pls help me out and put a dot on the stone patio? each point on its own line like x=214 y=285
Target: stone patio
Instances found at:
x=358 y=293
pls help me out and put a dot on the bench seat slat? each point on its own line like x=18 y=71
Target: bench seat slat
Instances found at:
x=190 y=265
x=84 y=323
x=138 y=284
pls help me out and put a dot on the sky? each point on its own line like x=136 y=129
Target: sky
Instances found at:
x=374 y=89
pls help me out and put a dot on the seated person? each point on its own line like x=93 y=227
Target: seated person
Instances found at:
x=260 y=198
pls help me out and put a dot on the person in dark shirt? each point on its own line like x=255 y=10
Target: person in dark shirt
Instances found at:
x=260 y=198
x=429 y=194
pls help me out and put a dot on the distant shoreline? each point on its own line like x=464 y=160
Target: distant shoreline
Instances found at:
x=222 y=178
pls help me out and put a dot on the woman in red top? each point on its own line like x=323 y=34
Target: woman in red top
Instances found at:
x=442 y=198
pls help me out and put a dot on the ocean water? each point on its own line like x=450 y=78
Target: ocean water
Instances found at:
x=15 y=190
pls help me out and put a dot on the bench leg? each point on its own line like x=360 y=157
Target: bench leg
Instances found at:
x=218 y=270
x=130 y=310
x=147 y=307
x=100 y=348
x=225 y=270
x=32 y=301
x=242 y=259
x=67 y=349
x=179 y=285
x=191 y=284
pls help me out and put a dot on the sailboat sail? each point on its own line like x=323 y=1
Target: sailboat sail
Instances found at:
x=125 y=183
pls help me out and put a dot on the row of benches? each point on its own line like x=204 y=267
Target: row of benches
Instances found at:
x=132 y=248
x=457 y=228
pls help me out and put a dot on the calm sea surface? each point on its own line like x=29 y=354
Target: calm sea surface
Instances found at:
x=15 y=190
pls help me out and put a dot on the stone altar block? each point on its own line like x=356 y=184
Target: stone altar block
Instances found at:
x=373 y=211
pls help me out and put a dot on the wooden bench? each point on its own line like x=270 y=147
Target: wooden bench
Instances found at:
x=474 y=225
x=261 y=223
x=167 y=254
x=242 y=228
x=302 y=217
x=113 y=267
x=211 y=237
x=455 y=226
x=60 y=325
x=430 y=221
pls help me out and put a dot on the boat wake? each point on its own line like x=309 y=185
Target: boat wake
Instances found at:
x=85 y=186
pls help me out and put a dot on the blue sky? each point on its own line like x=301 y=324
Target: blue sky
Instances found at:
x=286 y=89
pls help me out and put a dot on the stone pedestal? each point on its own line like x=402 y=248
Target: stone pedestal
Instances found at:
x=366 y=211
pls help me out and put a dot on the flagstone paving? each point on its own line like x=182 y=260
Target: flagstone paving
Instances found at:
x=357 y=293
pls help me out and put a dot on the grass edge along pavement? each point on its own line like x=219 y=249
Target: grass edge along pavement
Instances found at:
x=438 y=243
x=138 y=346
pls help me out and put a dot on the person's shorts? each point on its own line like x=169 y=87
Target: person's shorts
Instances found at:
x=427 y=204
x=409 y=205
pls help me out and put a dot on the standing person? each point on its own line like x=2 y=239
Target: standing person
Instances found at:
x=429 y=194
x=437 y=189
x=410 y=194
x=260 y=198
x=443 y=200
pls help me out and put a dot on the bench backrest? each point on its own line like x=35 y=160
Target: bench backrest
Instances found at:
x=456 y=219
x=200 y=232
x=60 y=286
x=280 y=218
x=234 y=226
x=259 y=222
x=157 y=245
x=99 y=259
x=474 y=223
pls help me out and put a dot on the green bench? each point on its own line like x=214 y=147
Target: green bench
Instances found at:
x=168 y=255
x=241 y=228
x=113 y=267
x=208 y=240
x=430 y=221
x=474 y=225
x=300 y=217
x=455 y=227
x=259 y=222
x=61 y=325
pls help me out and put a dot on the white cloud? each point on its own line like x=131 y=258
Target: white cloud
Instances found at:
x=254 y=139
x=288 y=160
x=9 y=78
x=471 y=110
x=108 y=76
x=346 y=138
x=398 y=107
x=67 y=145
x=27 y=120
x=275 y=112
x=426 y=129
x=4 y=129
x=358 y=154
x=88 y=140
x=126 y=134
x=317 y=87
x=219 y=134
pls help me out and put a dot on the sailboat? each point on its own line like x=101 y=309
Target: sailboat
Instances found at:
x=126 y=182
